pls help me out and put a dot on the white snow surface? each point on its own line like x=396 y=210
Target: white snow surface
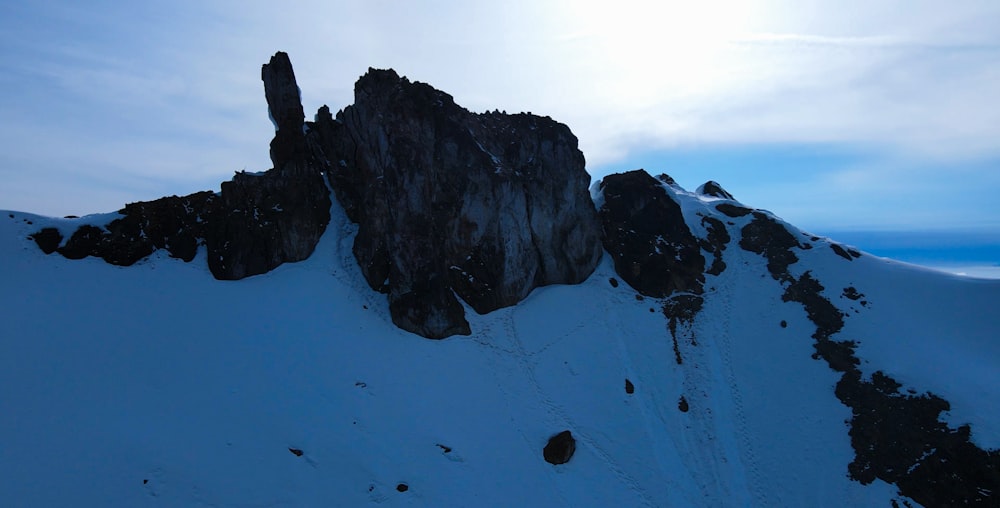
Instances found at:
x=157 y=385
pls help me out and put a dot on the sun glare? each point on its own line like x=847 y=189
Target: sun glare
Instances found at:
x=657 y=48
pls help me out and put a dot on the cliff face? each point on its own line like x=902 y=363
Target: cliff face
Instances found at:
x=257 y=222
x=483 y=206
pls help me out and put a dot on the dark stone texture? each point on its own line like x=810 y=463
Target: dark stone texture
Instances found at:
x=256 y=223
x=646 y=235
x=841 y=251
x=732 y=210
x=48 y=239
x=852 y=293
x=898 y=438
x=765 y=236
x=711 y=188
x=825 y=315
x=483 y=206
x=716 y=242
x=560 y=448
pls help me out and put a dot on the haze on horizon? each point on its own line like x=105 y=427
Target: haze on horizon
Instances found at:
x=836 y=116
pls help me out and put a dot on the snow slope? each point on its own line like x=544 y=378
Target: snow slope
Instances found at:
x=157 y=385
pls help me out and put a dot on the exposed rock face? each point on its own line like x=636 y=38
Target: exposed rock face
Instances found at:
x=712 y=188
x=483 y=206
x=256 y=223
x=262 y=221
x=486 y=207
x=560 y=448
x=645 y=233
x=898 y=438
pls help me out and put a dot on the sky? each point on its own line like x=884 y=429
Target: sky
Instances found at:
x=835 y=115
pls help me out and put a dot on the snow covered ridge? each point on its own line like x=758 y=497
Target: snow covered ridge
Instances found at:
x=739 y=361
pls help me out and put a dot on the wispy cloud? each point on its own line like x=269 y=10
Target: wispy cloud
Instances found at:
x=151 y=93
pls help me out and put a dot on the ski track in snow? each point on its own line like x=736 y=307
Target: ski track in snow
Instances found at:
x=725 y=293
x=638 y=447
x=514 y=351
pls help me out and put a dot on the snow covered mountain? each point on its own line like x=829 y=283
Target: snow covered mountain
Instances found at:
x=711 y=354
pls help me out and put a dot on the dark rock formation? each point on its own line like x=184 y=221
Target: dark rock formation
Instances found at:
x=48 y=239
x=844 y=252
x=767 y=237
x=898 y=438
x=711 y=188
x=646 y=235
x=256 y=223
x=483 y=206
x=560 y=448
x=486 y=207
x=715 y=243
x=265 y=220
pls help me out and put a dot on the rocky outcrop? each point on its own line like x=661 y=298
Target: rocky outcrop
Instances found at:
x=560 y=448
x=264 y=220
x=451 y=204
x=712 y=188
x=256 y=223
x=645 y=233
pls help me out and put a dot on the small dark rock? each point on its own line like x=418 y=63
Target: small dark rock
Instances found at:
x=48 y=239
x=784 y=324
x=296 y=452
x=613 y=281
x=851 y=293
x=445 y=449
x=145 y=481
x=560 y=448
x=733 y=210
x=402 y=487
x=683 y=405
x=629 y=387
x=711 y=188
x=842 y=252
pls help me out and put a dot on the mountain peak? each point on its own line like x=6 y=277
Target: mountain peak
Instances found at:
x=751 y=351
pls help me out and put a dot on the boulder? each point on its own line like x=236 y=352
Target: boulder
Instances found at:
x=560 y=448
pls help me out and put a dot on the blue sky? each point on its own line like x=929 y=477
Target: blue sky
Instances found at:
x=836 y=115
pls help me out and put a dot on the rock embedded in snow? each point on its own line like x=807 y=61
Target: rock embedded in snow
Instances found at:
x=451 y=204
x=560 y=448
x=712 y=188
x=647 y=237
